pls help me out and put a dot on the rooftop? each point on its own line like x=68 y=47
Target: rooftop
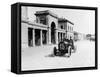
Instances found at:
x=46 y=12
x=64 y=20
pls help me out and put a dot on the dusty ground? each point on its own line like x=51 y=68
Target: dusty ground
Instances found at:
x=37 y=58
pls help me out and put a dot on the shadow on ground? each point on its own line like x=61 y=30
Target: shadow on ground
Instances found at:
x=52 y=55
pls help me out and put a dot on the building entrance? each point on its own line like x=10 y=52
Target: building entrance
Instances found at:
x=53 y=31
x=44 y=36
x=30 y=37
x=37 y=37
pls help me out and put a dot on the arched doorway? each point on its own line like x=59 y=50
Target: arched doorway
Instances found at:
x=53 y=32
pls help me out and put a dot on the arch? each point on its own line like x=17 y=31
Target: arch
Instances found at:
x=53 y=33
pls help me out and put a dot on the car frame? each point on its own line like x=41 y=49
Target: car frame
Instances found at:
x=65 y=47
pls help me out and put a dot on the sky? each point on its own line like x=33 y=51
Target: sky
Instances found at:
x=84 y=20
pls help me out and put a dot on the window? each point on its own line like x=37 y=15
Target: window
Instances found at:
x=61 y=26
x=37 y=20
x=43 y=20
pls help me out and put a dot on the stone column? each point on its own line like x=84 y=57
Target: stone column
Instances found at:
x=62 y=35
x=33 y=37
x=46 y=36
x=41 y=37
x=49 y=35
x=66 y=34
x=56 y=36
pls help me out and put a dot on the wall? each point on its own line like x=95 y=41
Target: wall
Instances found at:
x=62 y=24
x=24 y=13
x=24 y=33
x=5 y=38
x=50 y=20
x=69 y=30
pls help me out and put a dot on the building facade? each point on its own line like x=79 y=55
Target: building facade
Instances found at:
x=48 y=29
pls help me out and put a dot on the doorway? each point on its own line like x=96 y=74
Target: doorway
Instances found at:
x=37 y=37
x=53 y=32
x=44 y=36
x=30 y=37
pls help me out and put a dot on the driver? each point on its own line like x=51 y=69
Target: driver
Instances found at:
x=66 y=41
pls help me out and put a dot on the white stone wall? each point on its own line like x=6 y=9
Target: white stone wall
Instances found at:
x=24 y=27
x=24 y=13
x=50 y=20
x=24 y=35
x=70 y=30
x=64 y=25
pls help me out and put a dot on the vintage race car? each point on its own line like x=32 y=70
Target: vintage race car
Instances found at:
x=64 y=48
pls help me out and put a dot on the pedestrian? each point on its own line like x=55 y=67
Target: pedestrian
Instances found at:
x=71 y=42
